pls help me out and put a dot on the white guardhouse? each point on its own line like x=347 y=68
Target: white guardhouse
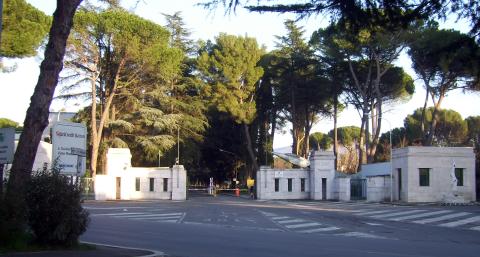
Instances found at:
x=124 y=182
x=433 y=174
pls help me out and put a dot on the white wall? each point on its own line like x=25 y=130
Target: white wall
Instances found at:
x=378 y=188
x=439 y=160
x=119 y=166
x=266 y=183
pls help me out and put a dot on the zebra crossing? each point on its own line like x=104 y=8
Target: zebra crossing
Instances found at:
x=298 y=225
x=436 y=217
x=441 y=218
x=174 y=217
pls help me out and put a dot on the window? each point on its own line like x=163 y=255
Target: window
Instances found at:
x=302 y=184
x=459 y=175
x=152 y=184
x=277 y=185
x=137 y=184
x=289 y=184
x=165 y=184
x=424 y=177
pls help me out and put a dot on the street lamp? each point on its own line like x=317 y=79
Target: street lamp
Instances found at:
x=391 y=163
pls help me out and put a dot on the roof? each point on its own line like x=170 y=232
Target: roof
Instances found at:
x=376 y=169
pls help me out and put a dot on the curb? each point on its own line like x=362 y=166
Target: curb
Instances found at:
x=153 y=254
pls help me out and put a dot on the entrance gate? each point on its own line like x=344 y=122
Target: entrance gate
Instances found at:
x=358 y=189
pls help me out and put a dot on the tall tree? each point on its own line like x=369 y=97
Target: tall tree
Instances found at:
x=37 y=114
x=231 y=73
x=118 y=53
x=23 y=29
x=445 y=60
x=373 y=79
x=451 y=128
x=301 y=87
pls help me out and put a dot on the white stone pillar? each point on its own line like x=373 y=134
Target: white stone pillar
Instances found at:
x=179 y=183
x=322 y=166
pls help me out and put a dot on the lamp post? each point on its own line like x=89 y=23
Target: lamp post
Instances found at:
x=391 y=163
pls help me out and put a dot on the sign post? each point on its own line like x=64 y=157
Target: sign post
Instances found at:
x=69 y=143
x=7 y=145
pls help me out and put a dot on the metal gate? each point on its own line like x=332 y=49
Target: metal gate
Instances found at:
x=358 y=189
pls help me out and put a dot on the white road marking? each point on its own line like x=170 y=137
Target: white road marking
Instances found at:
x=422 y=215
x=445 y=217
x=290 y=221
x=116 y=214
x=144 y=215
x=318 y=230
x=476 y=228
x=303 y=225
x=157 y=218
x=361 y=235
x=460 y=222
x=280 y=218
x=396 y=214
x=372 y=212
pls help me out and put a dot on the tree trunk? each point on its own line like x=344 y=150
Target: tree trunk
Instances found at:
x=335 y=132
x=251 y=154
x=37 y=114
x=104 y=119
x=433 y=123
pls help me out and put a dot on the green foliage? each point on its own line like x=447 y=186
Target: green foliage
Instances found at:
x=231 y=72
x=473 y=123
x=347 y=136
x=24 y=29
x=451 y=129
x=55 y=214
x=8 y=123
x=320 y=141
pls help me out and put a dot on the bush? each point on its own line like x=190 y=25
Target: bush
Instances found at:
x=55 y=214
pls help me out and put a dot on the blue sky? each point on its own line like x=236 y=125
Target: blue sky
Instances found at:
x=18 y=86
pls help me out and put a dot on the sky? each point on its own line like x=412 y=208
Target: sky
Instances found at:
x=17 y=86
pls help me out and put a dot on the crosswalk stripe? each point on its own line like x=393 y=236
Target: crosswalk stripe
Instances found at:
x=168 y=221
x=318 y=230
x=396 y=214
x=476 y=228
x=117 y=214
x=280 y=218
x=445 y=217
x=156 y=217
x=421 y=215
x=290 y=221
x=144 y=215
x=372 y=212
x=303 y=225
x=460 y=222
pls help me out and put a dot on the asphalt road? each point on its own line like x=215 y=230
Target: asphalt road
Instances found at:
x=229 y=226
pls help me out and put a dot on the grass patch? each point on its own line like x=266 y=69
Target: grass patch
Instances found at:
x=26 y=247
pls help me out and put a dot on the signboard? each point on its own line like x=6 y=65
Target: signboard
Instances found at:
x=7 y=145
x=69 y=144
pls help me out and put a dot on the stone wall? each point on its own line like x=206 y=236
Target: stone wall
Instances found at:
x=168 y=183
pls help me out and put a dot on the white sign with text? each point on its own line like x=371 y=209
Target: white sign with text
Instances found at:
x=7 y=145
x=69 y=144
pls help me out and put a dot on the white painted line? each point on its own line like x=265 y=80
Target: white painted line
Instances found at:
x=151 y=215
x=460 y=222
x=361 y=235
x=445 y=217
x=280 y=218
x=117 y=214
x=112 y=208
x=318 y=230
x=157 y=218
x=168 y=221
x=373 y=212
x=303 y=225
x=396 y=214
x=290 y=221
x=422 y=215
x=477 y=228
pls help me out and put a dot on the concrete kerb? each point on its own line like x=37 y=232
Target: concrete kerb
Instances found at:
x=154 y=253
